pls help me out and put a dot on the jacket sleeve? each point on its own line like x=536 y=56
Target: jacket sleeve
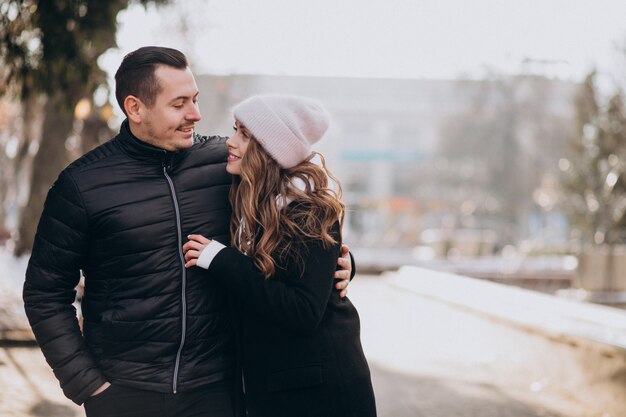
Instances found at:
x=49 y=290
x=298 y=303
x=353 y=266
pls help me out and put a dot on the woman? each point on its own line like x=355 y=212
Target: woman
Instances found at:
x=299 y=340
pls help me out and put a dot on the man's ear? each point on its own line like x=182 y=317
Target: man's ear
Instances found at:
x=132 y=105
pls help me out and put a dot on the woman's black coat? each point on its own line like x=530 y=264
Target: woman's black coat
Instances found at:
x=299 y=342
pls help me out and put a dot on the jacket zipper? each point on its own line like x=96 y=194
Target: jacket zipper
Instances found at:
x=184 y=282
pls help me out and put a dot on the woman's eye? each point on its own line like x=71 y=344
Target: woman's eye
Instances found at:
x=234 y=128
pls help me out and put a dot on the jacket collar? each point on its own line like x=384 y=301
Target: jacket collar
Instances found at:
x=139 y=149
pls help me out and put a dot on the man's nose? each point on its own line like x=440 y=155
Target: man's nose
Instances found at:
x=194 y=115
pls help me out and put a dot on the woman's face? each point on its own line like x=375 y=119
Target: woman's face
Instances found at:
x=237 y=145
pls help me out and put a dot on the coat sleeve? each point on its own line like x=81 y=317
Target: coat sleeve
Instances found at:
x=297 y=303
x=49 y=290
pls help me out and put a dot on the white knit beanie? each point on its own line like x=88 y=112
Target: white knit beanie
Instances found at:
x=286 y=126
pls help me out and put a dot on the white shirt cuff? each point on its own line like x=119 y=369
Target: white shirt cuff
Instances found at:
x=208 y=253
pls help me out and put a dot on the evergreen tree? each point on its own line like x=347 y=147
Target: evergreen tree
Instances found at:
x=594 y=181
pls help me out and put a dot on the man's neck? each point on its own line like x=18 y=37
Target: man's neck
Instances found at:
x=136 y=132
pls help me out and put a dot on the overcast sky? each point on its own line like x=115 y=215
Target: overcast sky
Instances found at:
x=385 y=38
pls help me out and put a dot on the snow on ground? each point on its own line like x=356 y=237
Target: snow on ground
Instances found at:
x=12 y=272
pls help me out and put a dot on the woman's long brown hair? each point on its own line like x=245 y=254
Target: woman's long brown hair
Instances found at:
x=268 y=232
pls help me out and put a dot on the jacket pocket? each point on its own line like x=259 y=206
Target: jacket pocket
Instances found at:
x=296 y=378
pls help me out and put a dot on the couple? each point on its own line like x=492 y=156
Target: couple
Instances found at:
x=176 y=324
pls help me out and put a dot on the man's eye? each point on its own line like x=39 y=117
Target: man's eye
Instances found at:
x=234 y=128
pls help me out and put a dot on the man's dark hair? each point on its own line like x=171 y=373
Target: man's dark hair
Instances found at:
x=136 y=75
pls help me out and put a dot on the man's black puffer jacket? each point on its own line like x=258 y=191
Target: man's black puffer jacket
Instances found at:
x=121 y=213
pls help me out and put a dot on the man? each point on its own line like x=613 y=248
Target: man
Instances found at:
x=157 y=337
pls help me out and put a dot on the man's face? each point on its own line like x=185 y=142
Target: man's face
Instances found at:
x=169 y=122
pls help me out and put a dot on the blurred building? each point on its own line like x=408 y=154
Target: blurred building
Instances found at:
x=405 y=170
